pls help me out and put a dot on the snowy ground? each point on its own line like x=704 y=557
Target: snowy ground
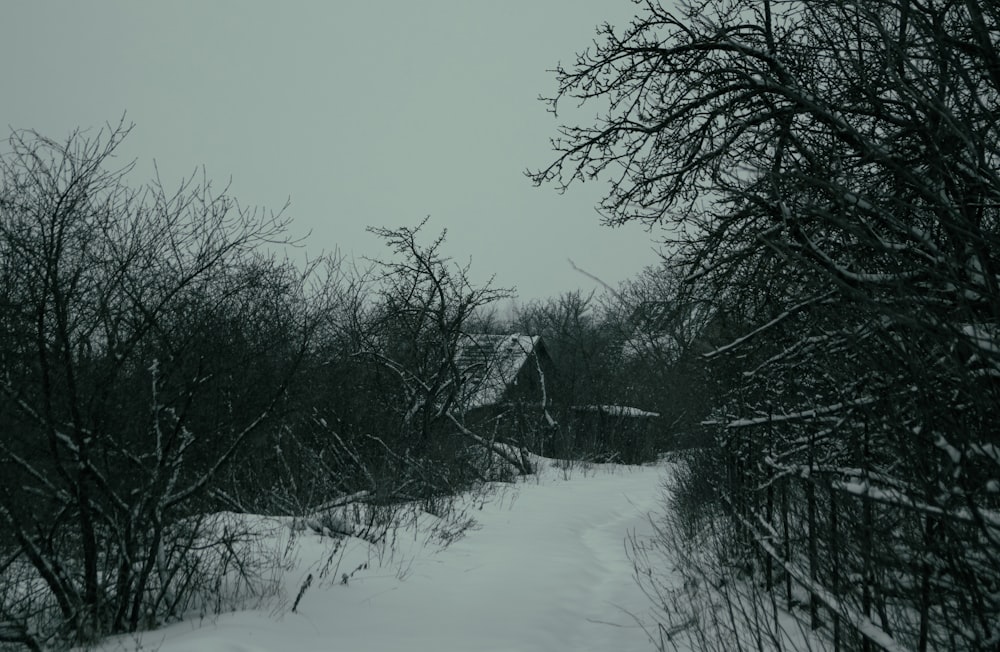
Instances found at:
x=546 y=569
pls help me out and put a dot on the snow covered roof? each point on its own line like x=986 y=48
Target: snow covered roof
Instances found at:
x=616 y=410
x=490 y=364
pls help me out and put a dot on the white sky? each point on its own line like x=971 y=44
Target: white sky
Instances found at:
x=361 y=112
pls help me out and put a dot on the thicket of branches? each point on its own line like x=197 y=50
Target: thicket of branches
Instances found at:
x=145 y=340
x=831 y=170
x=395 y=388
x=635 y=346
x=160 y=365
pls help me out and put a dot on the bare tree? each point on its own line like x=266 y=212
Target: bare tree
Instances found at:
x=831 y=170
x=666 y=324
x=145 y=342
x=577 y=336
x=412 y=329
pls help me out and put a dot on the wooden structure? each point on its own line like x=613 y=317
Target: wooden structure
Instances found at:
x=504 y=391
x=616 y=433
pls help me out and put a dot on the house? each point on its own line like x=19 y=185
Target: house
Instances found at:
x=505 y=395
x=504 y=387
x=498 y=369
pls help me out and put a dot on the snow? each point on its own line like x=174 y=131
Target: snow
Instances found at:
x=988 y=518
x=545 y=568
x=983 y=336
x=859 y=621
x=618 y=410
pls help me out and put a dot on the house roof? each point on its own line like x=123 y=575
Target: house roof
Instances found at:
x=624 y=411
x=490 y=364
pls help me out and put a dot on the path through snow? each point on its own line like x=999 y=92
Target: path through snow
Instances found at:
x=547 y=570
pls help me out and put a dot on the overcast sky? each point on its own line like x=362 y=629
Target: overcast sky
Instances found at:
x=361 y=112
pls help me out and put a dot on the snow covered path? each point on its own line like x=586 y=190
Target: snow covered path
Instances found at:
x=547 y=570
